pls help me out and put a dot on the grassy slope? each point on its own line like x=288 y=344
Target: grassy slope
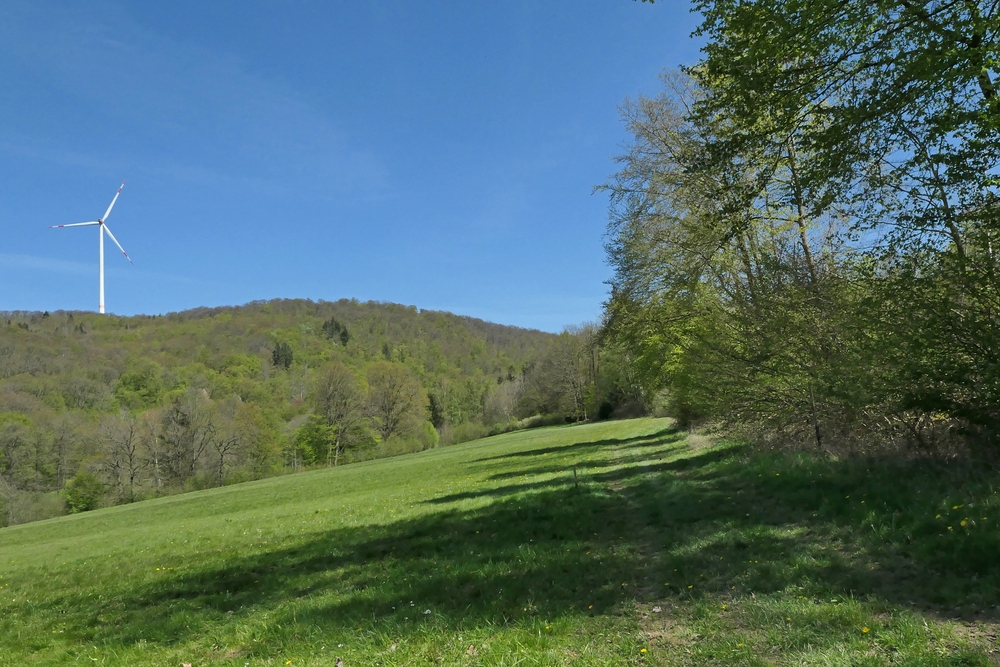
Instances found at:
x=667 y=552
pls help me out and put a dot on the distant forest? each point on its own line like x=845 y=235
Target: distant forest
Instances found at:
x=98 y=410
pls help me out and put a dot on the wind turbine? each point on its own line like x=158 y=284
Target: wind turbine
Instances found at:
x=102 y=227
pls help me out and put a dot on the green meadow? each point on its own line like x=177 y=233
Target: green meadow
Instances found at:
x=616 y=543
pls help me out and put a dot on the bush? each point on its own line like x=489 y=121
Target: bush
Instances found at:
x=83 y=493
x=471 y=430
x=424 y=437
x=428 y=436
x=538 y=421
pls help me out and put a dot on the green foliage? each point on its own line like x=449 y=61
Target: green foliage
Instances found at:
x=340 y=398
x=282 y=356
x=428 y=436
x=313 y=440
x=141 y=386
x=241 y=366
x=334 y=329
x=886 y=116
x=802 y=228
x=82 y=493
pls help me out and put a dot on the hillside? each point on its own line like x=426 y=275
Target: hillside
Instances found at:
x=618 y=543
x=148 y=405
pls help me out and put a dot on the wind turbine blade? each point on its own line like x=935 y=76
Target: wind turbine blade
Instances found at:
x=112 y=205
x=75 y=224
x=118 y=244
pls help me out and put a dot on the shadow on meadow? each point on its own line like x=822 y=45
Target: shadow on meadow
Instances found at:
x=716 y=523
x=663 y=436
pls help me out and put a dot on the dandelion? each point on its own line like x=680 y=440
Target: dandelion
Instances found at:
x=965 y=522
x=938 y=516
x=690 y=586
x=740 y=645
x=590 y=607
x=957 y=507
x=864 y=630
x=949 y=527
x=788 y=618
x=723 y=607
x=642 y=650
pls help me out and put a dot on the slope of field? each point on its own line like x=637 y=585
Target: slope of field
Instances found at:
x=607 y=544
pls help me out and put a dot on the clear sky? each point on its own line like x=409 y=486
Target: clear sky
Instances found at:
x=438 y=154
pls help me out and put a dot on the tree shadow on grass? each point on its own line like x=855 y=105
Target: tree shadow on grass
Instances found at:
x=716 y=523
x=663 y=436
x=645 y=462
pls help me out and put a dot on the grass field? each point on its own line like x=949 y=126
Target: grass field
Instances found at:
x=608 y=544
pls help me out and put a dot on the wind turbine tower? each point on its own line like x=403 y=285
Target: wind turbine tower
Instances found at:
x=102 y=227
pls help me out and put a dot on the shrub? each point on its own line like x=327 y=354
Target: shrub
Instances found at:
x=83 y=492
x=471 y=430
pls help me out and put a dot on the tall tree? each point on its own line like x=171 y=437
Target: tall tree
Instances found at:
x=895 y=108
x=187 y=432
x=120 y=440
x=340 y=401
x=396 y=400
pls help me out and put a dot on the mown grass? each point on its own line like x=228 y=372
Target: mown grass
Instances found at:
x=607 y=544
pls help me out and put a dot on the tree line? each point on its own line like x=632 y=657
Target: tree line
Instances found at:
x=804 y=226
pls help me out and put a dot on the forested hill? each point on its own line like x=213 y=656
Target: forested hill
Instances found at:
x=83 y=350
x=135 y=406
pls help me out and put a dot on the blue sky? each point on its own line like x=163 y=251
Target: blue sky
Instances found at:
x=439 y=154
